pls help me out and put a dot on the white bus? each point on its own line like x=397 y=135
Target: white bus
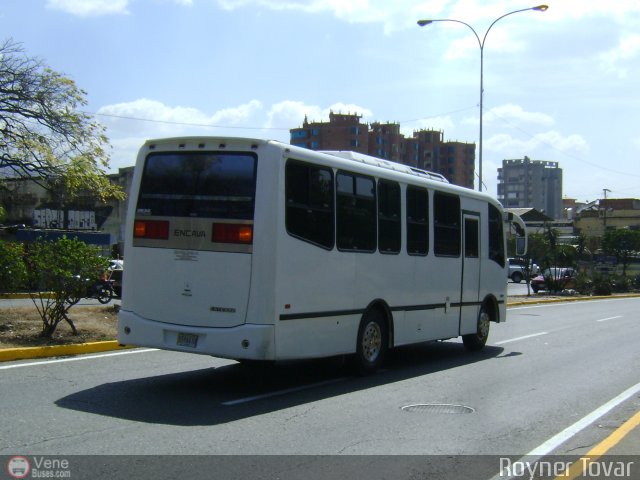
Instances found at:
x=258 y=250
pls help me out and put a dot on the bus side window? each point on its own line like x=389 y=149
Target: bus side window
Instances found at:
x=417 y=221
x=355 y=212
x=496 y=236
x=309 y=203
x=446 y=213
x=389 y=220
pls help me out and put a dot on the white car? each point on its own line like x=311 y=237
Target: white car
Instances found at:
x=517 y=269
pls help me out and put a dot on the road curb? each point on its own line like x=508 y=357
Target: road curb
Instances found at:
x=24 y=353
x=538 y=301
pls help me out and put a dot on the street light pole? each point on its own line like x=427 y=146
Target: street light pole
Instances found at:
x=422 y=23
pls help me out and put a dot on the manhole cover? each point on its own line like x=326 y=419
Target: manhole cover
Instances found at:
x=446 y=408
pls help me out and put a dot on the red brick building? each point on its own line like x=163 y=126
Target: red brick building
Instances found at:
x=425 y=150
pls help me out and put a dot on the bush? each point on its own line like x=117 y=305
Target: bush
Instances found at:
x=584 y=284
x=620 y=284
x=601 y=285
x=61 y=267
x=13 y=274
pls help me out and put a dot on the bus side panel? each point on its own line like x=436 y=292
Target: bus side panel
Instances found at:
x=436 y=313
x=306 y=290
x=317 y=337
x=264 y=279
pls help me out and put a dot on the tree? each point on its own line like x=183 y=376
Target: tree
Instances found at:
x=44 y=136
x=622 y=243
x=61 y=271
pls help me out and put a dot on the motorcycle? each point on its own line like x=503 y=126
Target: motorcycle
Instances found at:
x=100 y=289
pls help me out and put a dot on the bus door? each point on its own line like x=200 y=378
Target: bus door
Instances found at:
x=470 y=288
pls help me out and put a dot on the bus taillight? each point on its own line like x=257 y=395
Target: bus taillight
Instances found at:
x=232 y=233
x=153 y=229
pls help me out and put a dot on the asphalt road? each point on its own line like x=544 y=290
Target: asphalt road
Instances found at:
x=546 y=368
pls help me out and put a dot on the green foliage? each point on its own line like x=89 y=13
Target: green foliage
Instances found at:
x=584 y=284
x=622 y=244
x=43 y=133
x=601 y=285
x=13 y=274
x=62 y=268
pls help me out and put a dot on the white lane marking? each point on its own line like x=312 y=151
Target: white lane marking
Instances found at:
x=521 y=338
x=282 y=392
x=554 y=442
x=609 y=318
x=77 y=359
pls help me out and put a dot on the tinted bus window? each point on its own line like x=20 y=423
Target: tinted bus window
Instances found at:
x=355 y=212
x=446 y=219
x=389 y=222
x=198 y=184
x=471 y=240
x=496 y=236
x=309 y=203
x=417 y=221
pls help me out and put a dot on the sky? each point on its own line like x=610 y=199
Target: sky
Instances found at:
x=560 y=85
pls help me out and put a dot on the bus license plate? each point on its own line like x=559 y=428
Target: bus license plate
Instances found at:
x=187 y=340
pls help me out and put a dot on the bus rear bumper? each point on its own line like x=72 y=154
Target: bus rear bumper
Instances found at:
x=248 y=341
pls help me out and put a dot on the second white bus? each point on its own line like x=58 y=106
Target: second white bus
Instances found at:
x=258 y=250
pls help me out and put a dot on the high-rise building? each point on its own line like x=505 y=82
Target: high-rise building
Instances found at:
x=526 y=183
x=425 y=150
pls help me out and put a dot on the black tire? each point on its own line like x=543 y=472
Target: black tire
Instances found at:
x=516 y=277
x=104 y=295
x=476 y=341
x=534 y=288
x=372 y=342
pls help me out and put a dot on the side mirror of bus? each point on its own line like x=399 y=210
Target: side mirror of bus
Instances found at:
x=519 y=228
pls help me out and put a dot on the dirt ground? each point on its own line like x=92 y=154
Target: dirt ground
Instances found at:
x=21 y=326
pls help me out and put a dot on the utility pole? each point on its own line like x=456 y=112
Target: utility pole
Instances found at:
x=604 y=217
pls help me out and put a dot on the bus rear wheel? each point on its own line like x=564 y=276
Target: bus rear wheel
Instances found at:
x=372 y=342
x=476 y=341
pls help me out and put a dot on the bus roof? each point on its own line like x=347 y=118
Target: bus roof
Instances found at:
x=340 y=156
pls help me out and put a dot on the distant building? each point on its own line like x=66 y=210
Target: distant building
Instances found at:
x=28 y=203
x=530 y=183
x=425 y=150
x=608 y=214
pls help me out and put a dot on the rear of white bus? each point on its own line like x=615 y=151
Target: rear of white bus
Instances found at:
x=189 y=250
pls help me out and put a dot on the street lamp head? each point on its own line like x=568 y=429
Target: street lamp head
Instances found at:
x=422 y=23
x=541 y=8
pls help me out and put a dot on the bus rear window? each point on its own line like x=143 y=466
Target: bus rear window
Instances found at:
x=198 y=184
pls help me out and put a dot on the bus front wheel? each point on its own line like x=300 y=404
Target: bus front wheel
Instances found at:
x=373 y=340
x=475 y=341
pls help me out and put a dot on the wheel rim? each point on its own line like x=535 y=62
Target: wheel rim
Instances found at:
x=483 y=324
x=371 y=342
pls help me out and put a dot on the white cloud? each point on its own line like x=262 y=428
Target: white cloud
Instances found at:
x=511 y=147
x=511 y=113
x=290 y=114
x=95 y=8
x=145 y=115
x=443 y=123
x=129 y=124
x=617 y=60
x=89 y=8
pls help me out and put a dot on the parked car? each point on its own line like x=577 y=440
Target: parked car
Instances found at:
x=517 y=269
x=560 y=278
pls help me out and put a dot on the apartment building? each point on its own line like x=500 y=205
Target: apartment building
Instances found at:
x=526 y=183
x=426 y=149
